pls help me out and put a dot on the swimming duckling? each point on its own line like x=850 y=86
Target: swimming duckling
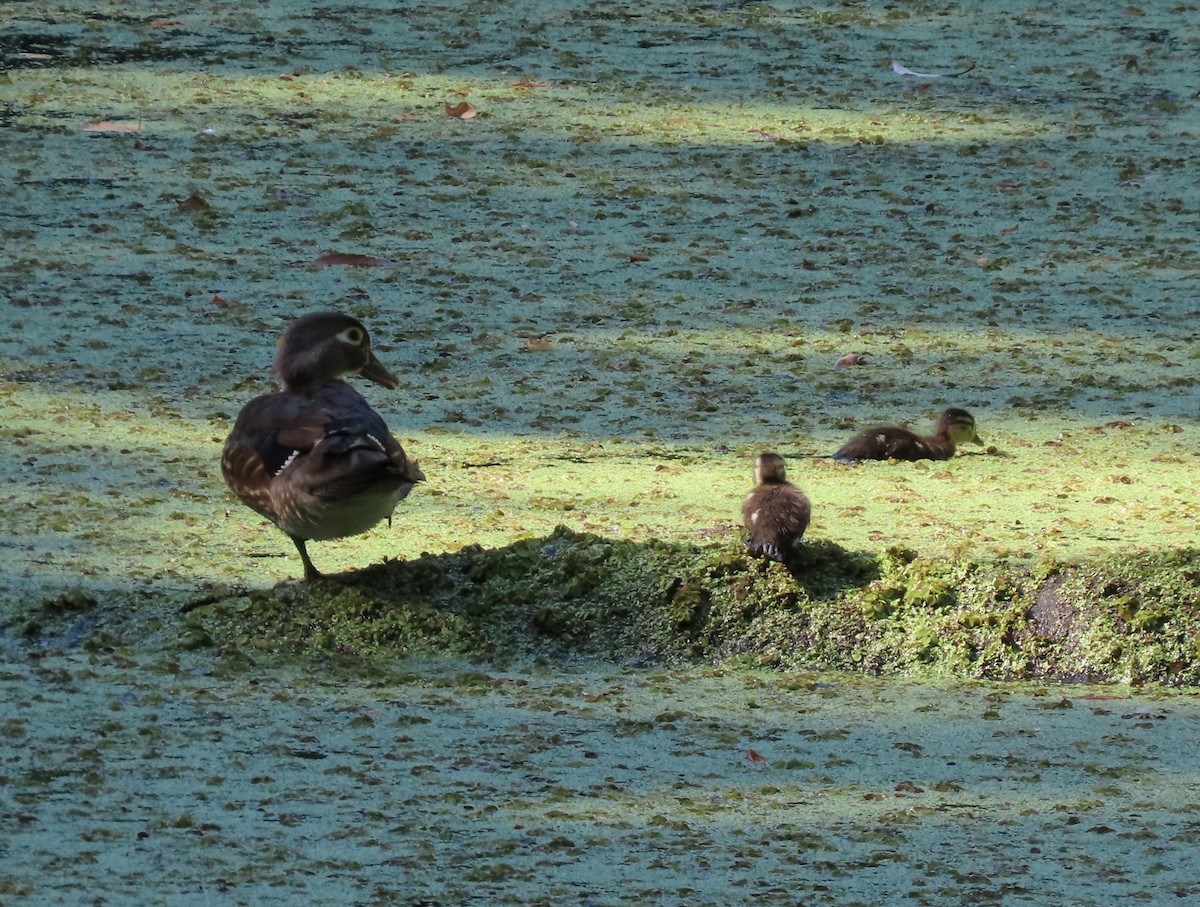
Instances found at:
x=954 y=427
x=776 y=512
x=314 y=458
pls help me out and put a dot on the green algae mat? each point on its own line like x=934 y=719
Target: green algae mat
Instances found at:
x=613 y=252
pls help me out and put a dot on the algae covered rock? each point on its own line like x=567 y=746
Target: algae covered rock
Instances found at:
x=570 y=594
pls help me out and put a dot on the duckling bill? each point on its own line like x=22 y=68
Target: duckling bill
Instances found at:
x=954 y=427
x=776 y=512
x=314 y=458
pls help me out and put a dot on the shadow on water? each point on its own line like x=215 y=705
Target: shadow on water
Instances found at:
x=27 y=50
x=564 y=595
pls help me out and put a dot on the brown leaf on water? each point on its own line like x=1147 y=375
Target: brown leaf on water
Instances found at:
x=166 y=23
x=756 y=758
x=529 y=83
x=194 y=202
x=461 y=111
x=538 y=345
x=637 y=256
x=354 y=260
x=1010 y=230
x=112 y=126
x=851 y=359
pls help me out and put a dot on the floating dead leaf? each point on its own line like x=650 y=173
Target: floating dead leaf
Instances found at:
x=354 y=260
x=851 y=359
x=637 y=256
x=901 y=70
x=1007 y=231
x=756 y=758
x=194 y=202
x=166 y=23
x=218 y=300
x=461 y=111
x=112 y=126
x=538 y=345
x=529 y=83
x=1007 y=186
x=1143 y=711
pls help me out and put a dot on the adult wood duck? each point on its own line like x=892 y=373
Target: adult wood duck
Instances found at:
x=776 y=512
x=954 y=427
x=314 y=458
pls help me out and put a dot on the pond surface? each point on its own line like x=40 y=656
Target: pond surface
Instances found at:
x=636 y=266
x=168 y=780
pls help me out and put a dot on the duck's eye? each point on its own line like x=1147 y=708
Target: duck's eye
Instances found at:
x=352 y=336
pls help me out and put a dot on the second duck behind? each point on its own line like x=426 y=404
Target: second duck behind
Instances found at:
x=954 y=427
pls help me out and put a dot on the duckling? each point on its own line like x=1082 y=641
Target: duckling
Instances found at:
x=954 y=427
x=314 y=458
x=776 y=512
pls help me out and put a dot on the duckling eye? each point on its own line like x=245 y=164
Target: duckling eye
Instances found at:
x=352 y=336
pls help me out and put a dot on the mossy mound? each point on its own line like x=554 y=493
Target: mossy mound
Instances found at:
x=1133 y=618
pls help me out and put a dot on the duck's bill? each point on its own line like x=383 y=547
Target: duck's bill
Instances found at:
x=374 y=371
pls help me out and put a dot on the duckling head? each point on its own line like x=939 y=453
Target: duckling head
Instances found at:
x=959 y=426
x=326 y=345
x=769 y=468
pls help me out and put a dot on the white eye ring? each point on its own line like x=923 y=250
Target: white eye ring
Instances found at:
x=352 y=336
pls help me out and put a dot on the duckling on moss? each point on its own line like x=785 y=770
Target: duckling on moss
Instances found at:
x=776 y=512
x=954 y=427
x=314 y=458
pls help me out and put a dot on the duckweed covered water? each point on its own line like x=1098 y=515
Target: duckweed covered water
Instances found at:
x=631 y=271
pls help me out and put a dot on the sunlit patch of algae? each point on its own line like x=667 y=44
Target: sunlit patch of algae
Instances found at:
x=630 y=272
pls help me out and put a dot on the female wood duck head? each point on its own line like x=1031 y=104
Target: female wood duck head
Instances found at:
x=954 y=427
x=776 y=512
x=324 y=346
x=314 y=458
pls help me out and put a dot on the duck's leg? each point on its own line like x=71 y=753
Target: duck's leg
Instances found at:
x=310 y=572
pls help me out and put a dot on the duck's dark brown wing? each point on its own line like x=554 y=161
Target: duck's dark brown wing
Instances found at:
x=324 y=441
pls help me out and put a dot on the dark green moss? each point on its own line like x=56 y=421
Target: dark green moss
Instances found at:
x=1131 y=617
